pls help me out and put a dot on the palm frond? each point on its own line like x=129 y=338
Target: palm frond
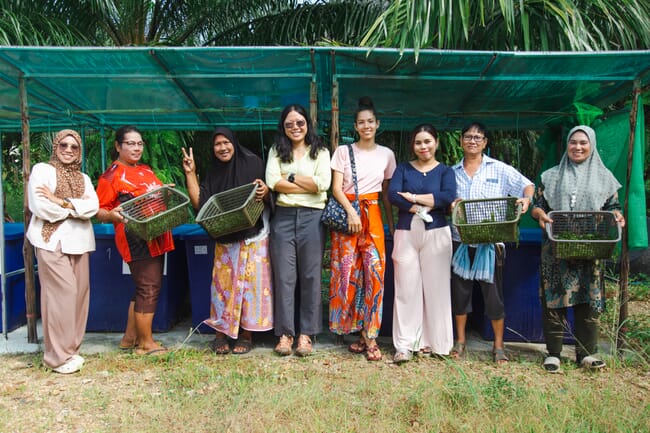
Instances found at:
x=577 y=25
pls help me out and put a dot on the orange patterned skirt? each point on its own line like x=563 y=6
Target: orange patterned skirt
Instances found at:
x=357 y=273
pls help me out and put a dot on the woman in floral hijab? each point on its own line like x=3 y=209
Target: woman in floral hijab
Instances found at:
x=62 y=201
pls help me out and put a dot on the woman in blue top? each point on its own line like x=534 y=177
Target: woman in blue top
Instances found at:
x=422 y=189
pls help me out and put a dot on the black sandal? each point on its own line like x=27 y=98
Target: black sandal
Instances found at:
x=243 y=345
x=220 y=345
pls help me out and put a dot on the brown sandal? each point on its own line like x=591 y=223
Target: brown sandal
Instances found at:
x=358 y=347
x=373 y=353
x=284 y=346
x=458 y=350
x=305 y=347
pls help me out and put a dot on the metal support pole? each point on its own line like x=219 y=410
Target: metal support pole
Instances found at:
x=313 y=93
x=621 y=342
x=334 y=132
x=3 y=276
x=103 y=145
x=28 y=249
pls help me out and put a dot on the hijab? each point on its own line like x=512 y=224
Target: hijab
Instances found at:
x=579 y=187
x=244 y=167
x=69 y=180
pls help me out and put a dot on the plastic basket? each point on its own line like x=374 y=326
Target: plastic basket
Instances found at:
x=230 y=211
x=583 y=235
x=151 y=214
x=487 y=220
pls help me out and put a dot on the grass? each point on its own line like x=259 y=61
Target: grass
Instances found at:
x=333 y=391
x=192 y=390
x=636 y=348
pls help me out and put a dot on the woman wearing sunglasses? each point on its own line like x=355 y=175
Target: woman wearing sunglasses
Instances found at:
x=298 y=171
x=62 y=201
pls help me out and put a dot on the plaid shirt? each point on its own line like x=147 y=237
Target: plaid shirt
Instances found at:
x=493 y=179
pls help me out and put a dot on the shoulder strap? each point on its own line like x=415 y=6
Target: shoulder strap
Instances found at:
x=354 y=172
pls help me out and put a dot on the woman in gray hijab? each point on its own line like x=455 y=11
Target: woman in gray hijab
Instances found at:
x=580 y=182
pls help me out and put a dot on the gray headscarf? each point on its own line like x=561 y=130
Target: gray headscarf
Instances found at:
x=579 y=187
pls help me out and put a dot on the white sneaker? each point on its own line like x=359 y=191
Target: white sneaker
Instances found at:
x=72 y=365
x=79 y=359
x=422 y=213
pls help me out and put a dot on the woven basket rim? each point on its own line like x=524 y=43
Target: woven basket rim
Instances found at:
x=510 y=200
x=609 y=214
x=134 y=200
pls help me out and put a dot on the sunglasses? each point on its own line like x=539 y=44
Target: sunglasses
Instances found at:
x=72 y=146
x=298 y=123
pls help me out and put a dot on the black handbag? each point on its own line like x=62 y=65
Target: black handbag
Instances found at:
x=334 y=216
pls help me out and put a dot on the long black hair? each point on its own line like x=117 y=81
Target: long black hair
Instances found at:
x=423 y=127
x=283 y=144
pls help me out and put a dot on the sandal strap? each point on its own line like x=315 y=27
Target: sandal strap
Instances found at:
x=373 y=353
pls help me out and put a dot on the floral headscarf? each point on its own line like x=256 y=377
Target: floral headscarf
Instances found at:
x=69 y=180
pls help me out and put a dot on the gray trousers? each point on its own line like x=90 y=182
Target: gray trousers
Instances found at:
x=297 y=241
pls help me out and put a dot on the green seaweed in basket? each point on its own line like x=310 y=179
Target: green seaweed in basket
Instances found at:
x=155 y=226
x=570 y=236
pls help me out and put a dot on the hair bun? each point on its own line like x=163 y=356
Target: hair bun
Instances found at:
x=365 y=103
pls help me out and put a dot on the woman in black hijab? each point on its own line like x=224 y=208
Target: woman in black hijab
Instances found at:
x=241 y=293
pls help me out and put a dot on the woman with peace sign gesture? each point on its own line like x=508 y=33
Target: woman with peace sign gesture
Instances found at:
x=241 y=293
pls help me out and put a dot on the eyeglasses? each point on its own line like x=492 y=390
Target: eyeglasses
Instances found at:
x=134 y=143
x=476 y=138
x=72 y=146
x=298 y=123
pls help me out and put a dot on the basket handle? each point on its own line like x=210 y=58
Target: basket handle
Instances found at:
x=548 y=229
x=520 y=207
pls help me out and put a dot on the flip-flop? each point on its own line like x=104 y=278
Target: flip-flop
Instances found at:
x=128 y=348
x=499 y=356
x=153 y=352
x=244 y=345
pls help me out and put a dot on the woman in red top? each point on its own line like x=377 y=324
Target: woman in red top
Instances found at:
x=125 y=179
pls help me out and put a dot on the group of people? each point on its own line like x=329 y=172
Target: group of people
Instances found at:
x=269 y=276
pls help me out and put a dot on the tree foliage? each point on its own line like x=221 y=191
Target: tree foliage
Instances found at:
x=513 y=25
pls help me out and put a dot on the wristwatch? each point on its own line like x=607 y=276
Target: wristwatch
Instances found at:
x=292 y=177
x=66 y=204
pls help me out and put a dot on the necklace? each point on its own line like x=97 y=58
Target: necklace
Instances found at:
x=424 y=169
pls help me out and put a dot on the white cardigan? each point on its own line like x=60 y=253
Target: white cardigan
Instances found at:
x=75 y=234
